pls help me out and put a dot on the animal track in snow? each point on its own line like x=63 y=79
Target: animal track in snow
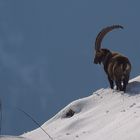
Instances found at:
x=123 y=110
x=107 y=111
x=132 y=105
x=77 y=136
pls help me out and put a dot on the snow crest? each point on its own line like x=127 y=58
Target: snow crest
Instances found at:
x=105 y=115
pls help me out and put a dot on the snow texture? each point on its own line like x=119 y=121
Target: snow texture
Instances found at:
x=105 y=115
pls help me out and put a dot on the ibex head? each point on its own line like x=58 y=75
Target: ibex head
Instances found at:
x=100 y=53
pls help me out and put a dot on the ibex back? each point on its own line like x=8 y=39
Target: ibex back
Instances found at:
x=116 y=66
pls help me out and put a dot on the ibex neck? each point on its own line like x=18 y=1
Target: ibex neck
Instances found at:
x=106 y=61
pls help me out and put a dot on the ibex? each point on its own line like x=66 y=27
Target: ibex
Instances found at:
x=116 y=66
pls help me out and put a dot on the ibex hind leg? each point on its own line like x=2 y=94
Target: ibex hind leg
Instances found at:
x=119 y=85
x=125 y=82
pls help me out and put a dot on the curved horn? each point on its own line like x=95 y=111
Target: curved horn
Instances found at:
x=102 y=33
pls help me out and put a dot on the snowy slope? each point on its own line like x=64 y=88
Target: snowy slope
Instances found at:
x=105 y=115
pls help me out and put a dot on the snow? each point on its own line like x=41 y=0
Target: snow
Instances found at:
x=105 y=115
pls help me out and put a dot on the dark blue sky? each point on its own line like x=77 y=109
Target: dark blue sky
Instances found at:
x=46 y=53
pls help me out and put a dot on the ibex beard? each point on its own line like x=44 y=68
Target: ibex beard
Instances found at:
x=116 y=66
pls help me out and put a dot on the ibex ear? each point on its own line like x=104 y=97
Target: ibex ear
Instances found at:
x=97 y=52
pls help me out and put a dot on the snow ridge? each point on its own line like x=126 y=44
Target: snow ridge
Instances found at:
x=105 y=115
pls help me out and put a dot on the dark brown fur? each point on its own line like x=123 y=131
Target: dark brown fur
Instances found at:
x=116 y=66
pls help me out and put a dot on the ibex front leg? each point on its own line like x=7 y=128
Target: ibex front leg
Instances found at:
x=111 y=82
